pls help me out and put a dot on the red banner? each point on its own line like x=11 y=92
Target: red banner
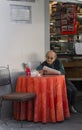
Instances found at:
x=68 y=19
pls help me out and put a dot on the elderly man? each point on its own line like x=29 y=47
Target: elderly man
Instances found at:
x=52 y=61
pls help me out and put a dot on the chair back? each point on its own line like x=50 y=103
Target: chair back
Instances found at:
x=5 y=78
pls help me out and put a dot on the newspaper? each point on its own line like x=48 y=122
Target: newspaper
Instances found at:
x=48 y=70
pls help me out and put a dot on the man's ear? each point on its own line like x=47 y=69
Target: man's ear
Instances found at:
x=55 y=56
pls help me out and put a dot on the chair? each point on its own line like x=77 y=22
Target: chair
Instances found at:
x=5 y=79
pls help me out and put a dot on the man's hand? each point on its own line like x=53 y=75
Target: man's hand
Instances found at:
x=41 y=72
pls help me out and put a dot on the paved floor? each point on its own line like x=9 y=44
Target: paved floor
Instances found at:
x=74 y=123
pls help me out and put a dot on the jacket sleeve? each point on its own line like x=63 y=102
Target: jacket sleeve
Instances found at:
x=39 y=67
x=61 y=68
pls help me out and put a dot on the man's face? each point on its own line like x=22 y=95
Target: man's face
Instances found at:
x=50 y=57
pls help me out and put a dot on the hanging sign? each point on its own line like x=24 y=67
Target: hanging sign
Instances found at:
x=68 y=19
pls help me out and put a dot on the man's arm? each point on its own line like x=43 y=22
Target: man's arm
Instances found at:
x=61 y=68
x=39 y=67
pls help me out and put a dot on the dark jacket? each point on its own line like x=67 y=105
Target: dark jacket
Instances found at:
x=56 y=65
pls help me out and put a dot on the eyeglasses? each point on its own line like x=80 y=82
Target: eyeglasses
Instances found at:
x=50 y=57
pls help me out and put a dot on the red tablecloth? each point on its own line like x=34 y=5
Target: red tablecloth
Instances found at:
x=50 y=104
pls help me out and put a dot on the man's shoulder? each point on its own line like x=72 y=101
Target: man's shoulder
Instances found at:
x=43 y=63
x=57 y=62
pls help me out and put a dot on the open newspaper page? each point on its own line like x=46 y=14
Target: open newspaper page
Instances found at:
x=51 y=71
